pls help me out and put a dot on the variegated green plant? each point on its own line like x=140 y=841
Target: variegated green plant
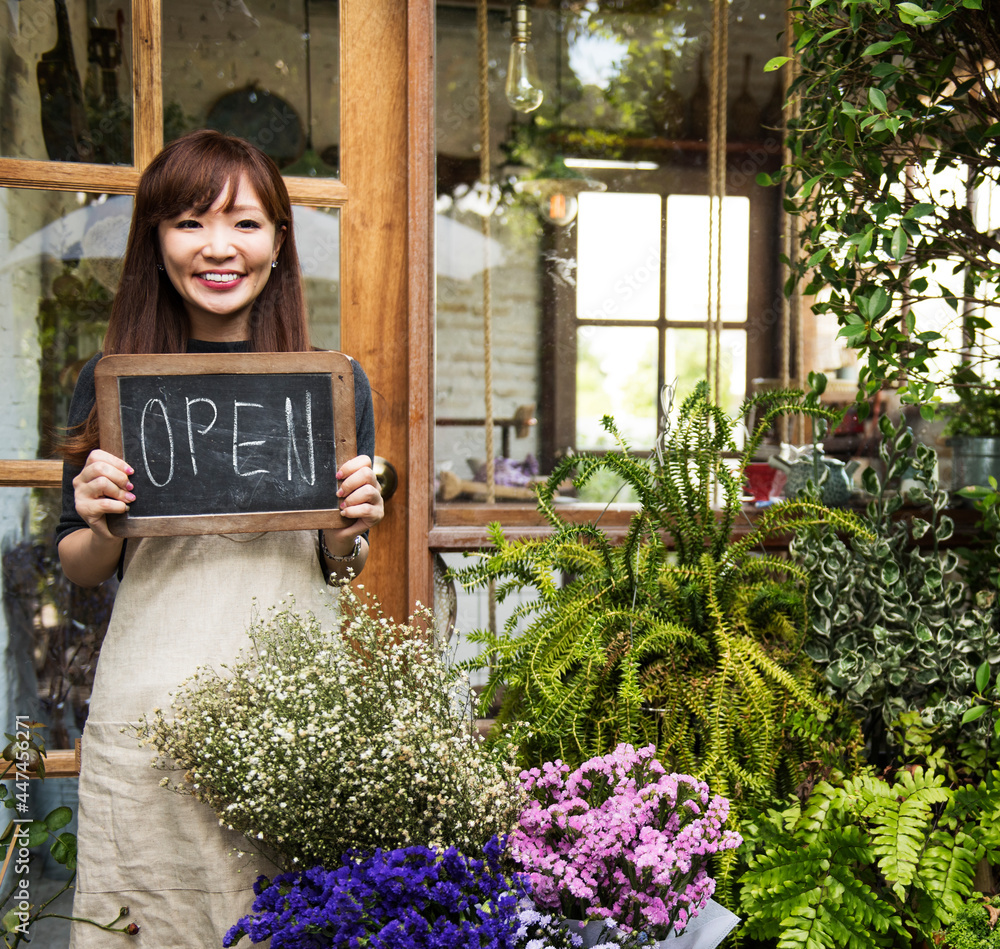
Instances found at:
x=892 y=627
x=868 y=862
x=683 y=635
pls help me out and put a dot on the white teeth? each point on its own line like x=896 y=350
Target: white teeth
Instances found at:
x=220 y=277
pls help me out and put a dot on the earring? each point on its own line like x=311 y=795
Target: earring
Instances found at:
x=274 y=263
x=160 y=267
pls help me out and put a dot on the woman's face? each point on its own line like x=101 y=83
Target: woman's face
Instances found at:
x=220 y=261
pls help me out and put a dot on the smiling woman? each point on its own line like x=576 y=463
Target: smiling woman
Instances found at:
x=219 y=260
x=210 y=267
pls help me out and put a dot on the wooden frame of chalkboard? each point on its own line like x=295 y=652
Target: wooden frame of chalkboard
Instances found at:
x=228 y=443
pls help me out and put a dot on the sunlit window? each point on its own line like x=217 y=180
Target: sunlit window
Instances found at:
x=641 y=313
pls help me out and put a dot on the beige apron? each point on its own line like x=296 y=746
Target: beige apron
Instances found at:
x=184 y=602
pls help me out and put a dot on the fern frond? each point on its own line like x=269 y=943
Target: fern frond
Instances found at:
x=776 y=674
x=901 y=830
x=811 y=889
x=777 y=403
x=765 y=566
x=816 y=816
x=947 y=872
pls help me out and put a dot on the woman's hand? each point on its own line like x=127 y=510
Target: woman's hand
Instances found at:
x=360 y=494
x=361 y=502
x=101 y=488
x=89 y=557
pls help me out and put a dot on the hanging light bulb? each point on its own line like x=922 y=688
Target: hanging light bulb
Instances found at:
x=559 y=208
x=556 y=188
x=523 y=90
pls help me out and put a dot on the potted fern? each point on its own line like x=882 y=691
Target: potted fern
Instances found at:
x=683 y=636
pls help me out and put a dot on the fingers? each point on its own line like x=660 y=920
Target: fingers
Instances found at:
x=102 y=487
x=359 y=492
x=353 y=466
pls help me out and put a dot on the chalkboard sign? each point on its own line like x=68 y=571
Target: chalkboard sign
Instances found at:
x=228 y=443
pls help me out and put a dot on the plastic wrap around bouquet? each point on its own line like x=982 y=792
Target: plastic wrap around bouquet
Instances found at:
x=620 y=843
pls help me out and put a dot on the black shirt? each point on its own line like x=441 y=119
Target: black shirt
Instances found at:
x=84 y=397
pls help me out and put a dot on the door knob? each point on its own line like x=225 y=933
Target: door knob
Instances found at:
x=386 y=475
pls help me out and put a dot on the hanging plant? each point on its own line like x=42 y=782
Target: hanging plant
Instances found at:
x=898 y=114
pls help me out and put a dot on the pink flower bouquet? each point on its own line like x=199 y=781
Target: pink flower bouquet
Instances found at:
x=620 y=839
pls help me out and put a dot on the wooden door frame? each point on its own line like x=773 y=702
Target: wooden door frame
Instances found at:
x=422 y=188
x=386 y=258
x=386 y=199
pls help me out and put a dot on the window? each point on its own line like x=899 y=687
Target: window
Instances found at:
x=597 y=288
x=641 y=313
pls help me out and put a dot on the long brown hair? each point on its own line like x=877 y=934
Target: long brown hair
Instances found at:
x=147 y=315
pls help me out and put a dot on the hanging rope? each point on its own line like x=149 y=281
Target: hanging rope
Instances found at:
x=718 y=93
x=482 y=25
x=484 y=177
x=791 y=310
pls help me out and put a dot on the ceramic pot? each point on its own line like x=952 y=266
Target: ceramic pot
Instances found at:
x=832 y=476
x=764 y=481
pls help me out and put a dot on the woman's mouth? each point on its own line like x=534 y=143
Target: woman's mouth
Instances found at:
x=217 y=279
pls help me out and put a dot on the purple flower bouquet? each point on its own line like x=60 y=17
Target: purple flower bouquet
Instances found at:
x=620 y=839
x=407 y=898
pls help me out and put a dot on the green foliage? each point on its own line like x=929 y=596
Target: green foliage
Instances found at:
x=25 y=752
x=959 y=750
x=898 y=111
x=867 y=862
x=891 y=629
x=975 y=924
x=696 y=645
x=981 y=562
x=985 y=711
x=977 y=412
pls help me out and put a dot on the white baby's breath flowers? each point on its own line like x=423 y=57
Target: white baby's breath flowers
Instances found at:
x=320 y=740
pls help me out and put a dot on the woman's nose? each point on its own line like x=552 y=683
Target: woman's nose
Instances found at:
x=218 y=243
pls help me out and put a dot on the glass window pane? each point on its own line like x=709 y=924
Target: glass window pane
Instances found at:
x=317 y=239
x=685 y=362
x=67 y=81
x=687 y=257
x=269 y=73
x=624 y=99
x=618 y=255
x=616 y=375
x=57 y=279
x=55 y=628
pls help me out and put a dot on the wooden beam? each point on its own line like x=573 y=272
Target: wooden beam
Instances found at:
x=317 y=192
x=67 y=176
x=374 y=274
x=64 y=763
x=36 y=473
x=421 y=195
x=147 y=82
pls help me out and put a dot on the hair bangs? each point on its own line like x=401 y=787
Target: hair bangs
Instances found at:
x=195 y=171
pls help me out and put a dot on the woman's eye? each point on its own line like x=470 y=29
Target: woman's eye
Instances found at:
x=250 y=225
x=188 y=224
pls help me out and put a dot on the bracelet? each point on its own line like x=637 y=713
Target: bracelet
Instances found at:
x=353 y=555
